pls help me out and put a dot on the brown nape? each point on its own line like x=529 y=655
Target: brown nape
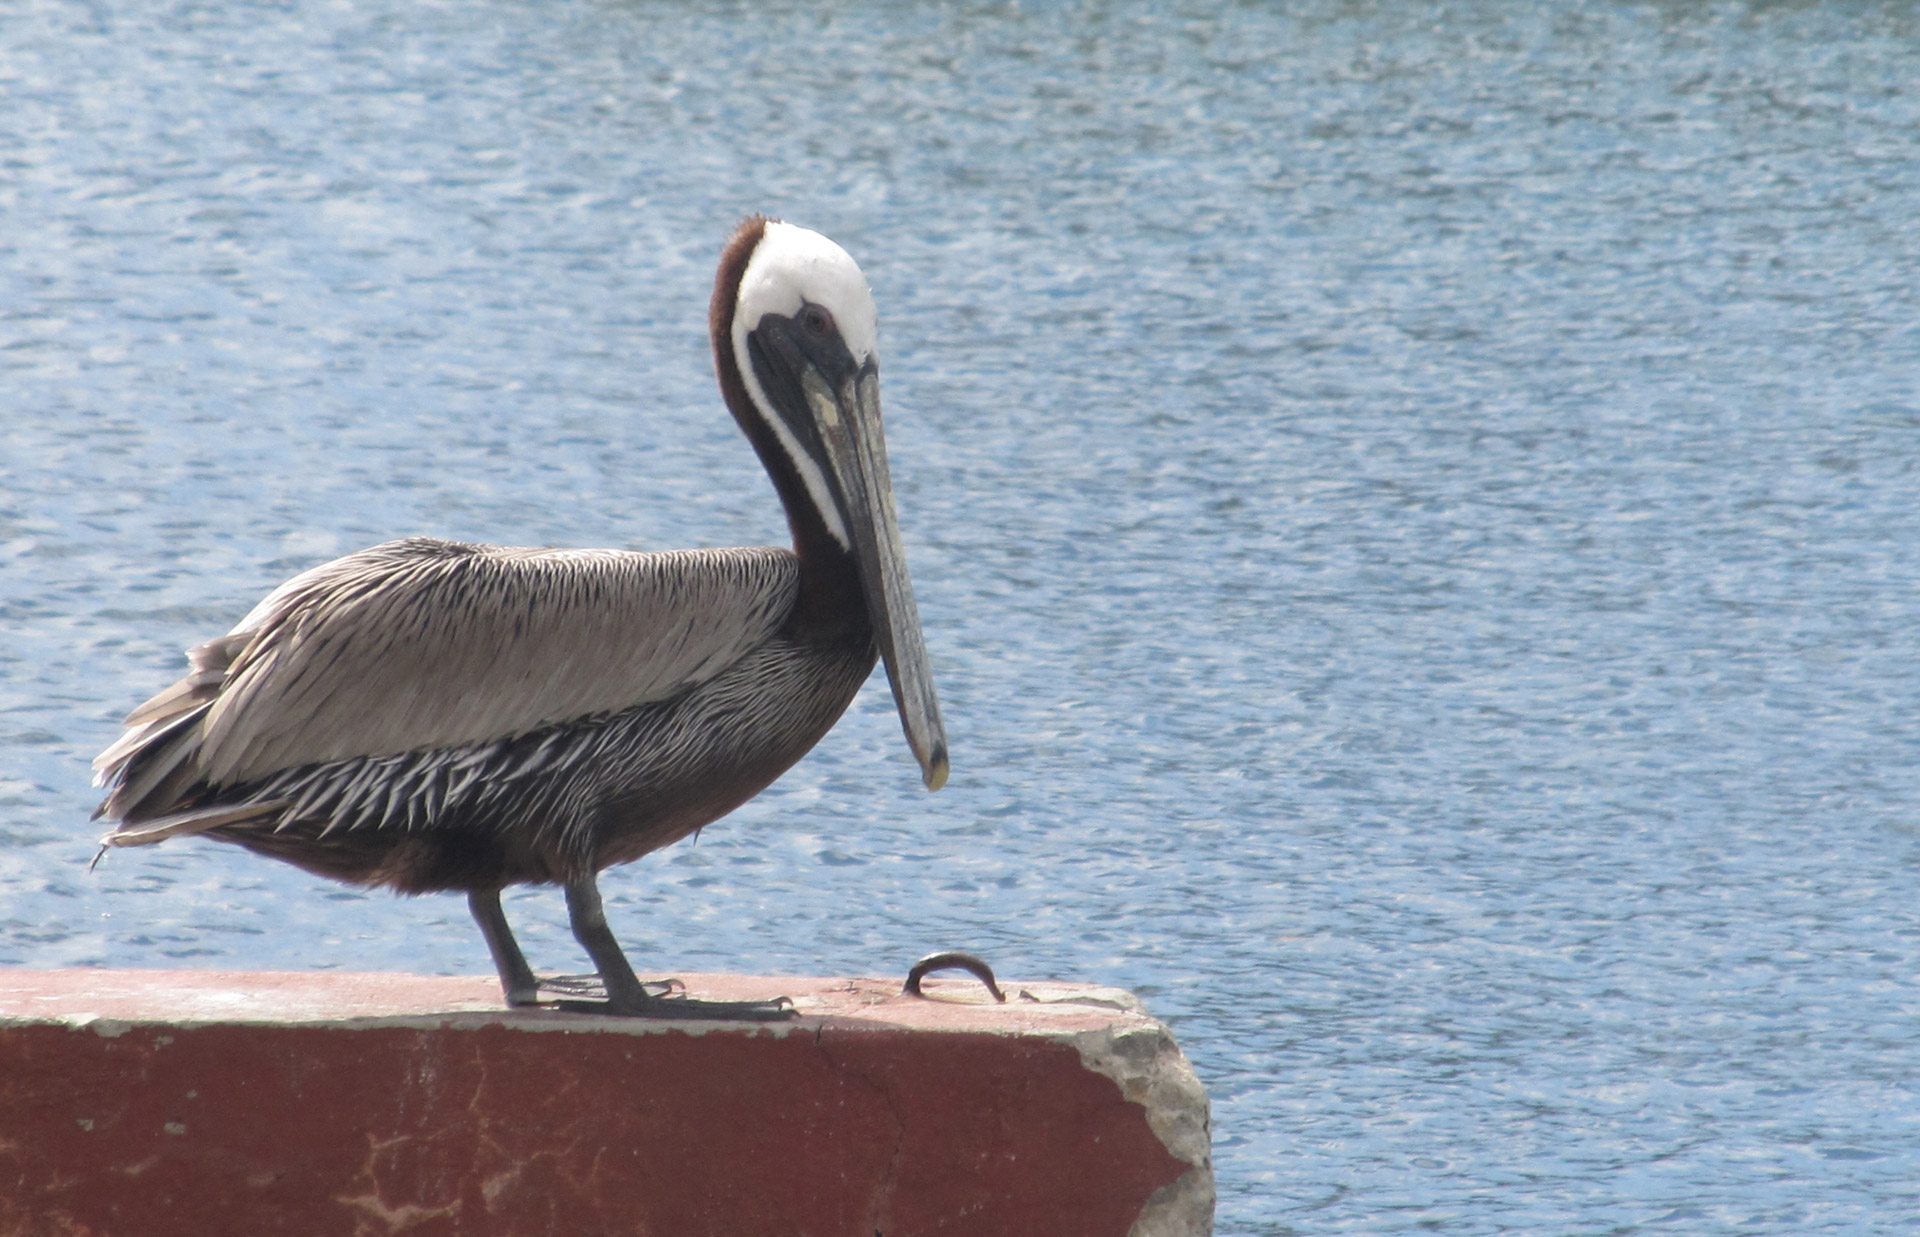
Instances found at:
x=726 y=294
x=733 y=388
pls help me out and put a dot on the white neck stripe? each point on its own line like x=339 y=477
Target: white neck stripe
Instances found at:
x=810 y=474
x=791 y=266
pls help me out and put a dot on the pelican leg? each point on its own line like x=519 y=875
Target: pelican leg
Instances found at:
x=626 y=995
x=516 y=977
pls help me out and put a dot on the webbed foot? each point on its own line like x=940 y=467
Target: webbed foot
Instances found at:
x=591 y=987
x=672 y=1002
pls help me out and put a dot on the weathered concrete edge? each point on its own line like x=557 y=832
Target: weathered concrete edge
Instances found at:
x=1144 y=1060
x=1150 y=1069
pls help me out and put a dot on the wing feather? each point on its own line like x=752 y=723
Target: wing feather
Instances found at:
x=422 y=644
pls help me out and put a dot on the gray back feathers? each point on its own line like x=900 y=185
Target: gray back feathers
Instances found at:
x=425 y=644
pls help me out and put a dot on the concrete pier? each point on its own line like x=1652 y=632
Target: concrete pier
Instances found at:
x=150 y=1103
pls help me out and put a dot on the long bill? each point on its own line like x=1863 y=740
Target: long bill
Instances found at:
x=848 y=420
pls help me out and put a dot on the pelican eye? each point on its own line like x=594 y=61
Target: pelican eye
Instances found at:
x=816 y=321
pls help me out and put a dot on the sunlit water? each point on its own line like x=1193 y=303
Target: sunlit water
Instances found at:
x=1414 y=507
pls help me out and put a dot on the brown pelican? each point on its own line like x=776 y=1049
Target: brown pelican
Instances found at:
x=430 y=715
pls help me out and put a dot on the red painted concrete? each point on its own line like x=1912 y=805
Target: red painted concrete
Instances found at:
x=157 y=1103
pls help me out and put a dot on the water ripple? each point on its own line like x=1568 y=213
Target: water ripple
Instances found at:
x=1415 y=513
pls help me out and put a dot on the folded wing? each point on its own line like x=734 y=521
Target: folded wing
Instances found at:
x=422 y=644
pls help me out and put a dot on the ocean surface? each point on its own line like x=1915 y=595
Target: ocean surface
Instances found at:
x=1415 y=508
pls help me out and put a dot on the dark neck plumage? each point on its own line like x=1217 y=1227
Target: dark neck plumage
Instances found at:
x=831 y=604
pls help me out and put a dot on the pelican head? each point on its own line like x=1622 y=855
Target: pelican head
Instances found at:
x=796 y=341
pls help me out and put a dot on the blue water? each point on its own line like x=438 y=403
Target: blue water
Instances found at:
x=1416 y=510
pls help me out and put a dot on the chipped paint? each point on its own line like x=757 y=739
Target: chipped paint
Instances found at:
x=1152 y=1071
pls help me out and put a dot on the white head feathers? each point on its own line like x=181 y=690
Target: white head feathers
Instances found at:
x=791 y=265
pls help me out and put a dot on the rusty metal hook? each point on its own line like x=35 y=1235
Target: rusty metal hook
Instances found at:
x=948 y=960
